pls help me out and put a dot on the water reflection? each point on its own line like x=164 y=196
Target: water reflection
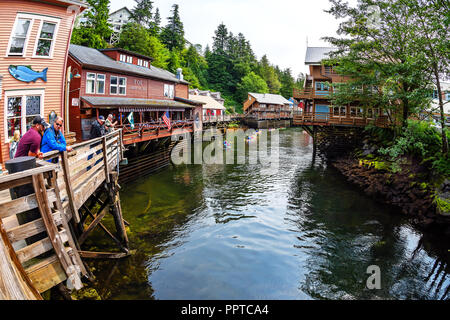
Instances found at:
x=299 y=232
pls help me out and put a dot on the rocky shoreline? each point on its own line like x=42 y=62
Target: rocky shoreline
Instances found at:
x=403 y=190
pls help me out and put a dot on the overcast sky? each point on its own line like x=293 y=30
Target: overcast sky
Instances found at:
x=278 y=28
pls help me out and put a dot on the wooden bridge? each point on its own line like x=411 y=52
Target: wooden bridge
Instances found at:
x=42 y=253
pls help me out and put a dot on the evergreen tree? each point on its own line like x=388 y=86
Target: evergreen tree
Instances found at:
x=220 y=39
x=95 y=32
x=287 y=83
x=142 y=13
x=157 y=22
x=172 y=34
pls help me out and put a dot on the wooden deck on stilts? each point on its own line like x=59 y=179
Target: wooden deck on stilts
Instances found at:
x=30 y=267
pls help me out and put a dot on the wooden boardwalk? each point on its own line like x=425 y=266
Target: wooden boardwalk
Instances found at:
x=30 y=267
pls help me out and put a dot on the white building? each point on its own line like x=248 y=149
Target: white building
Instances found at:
x=118 y=19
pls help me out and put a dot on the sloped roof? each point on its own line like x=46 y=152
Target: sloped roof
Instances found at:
x=132 y=102
x=314 y=55
x=209 y=102
x=269 y=98
x=92 y=58
x=120 y=10
x=77 y=2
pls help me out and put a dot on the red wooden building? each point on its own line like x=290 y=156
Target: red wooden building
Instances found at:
x=34 y=40
x=126 y=85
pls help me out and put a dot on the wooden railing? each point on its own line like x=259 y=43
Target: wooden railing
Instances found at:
x=62 y=183
x=219 y=118
x=310 y=93
x=153 y=130
x=81 y=171
x=269 y=116
x=327 y=118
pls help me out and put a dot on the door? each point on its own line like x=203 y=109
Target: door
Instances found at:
x=322 y=112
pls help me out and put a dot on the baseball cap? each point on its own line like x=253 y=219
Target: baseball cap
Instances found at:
x=101 y=118
x=39 y=120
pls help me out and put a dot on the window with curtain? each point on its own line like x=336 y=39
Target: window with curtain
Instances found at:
x=100 y=84
x=20 y=113
x=90 y=82
x=19 y=36
x=46 y=39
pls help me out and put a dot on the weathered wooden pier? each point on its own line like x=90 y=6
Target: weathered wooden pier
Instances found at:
x=29 y=267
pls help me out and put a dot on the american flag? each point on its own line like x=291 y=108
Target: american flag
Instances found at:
x=166 y=119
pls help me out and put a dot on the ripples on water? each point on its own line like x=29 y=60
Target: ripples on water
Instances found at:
x=300 y=232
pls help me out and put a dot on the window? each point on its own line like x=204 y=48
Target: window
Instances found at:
x=45 y=42
x=113 y=85
x=140 y=62
x=329 y=70
x=122 y=85
x=435 y=94
x=447 y=96
x=168 y=90
x=21 y=108
x=129 y=59
x=90 y=82
x=372 y=113
x=100 y=84
x=19 y=37
x=322 y=86
x=356 y=112
x=123 y=58
x=146 y=64
x=339 y=111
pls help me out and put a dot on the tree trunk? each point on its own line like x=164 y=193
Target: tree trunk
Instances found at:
x=441 y=109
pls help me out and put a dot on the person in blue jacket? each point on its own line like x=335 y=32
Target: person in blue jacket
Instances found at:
x=53 y=138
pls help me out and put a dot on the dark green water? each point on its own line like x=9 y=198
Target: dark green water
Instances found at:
x=299 y=232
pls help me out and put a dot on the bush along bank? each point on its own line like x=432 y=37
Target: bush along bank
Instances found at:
x=407 y=170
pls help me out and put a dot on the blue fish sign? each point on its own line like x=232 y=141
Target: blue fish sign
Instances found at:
x=26 y=74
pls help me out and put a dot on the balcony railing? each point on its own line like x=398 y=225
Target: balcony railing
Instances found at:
x=310 y=93
x=327 y=118
x=153 y=129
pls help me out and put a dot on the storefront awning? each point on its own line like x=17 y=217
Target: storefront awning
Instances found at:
x=134 y=104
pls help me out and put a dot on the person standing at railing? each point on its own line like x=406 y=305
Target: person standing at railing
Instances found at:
x=53 y=138
x=98 y=128
x=30 y=143
x=109 y=124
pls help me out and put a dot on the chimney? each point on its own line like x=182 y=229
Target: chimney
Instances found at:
x=180 y=74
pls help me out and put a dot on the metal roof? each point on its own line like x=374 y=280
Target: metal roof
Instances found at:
x=315 y=55
x=269 y=98
x=127 y=52
x=209 y=102
x=92 y=58
x=132 y=102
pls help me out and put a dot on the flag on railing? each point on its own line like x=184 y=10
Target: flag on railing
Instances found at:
x=131 y=120
x=166 y=119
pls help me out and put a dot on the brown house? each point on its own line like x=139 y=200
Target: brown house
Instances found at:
x=34 y=40
x=316 y=95
x=263 y=106
x=126 y=85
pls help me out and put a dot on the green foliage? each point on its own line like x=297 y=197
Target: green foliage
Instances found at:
x=172 y=34
x=96 y=30
x=142 y=14
x=421 y=140
x=379 y=58
x=250 y=83
x=136 y=38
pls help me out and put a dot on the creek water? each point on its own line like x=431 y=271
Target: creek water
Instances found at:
x=240 y=232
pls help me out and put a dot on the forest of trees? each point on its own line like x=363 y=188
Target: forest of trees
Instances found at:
x=229 y=66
